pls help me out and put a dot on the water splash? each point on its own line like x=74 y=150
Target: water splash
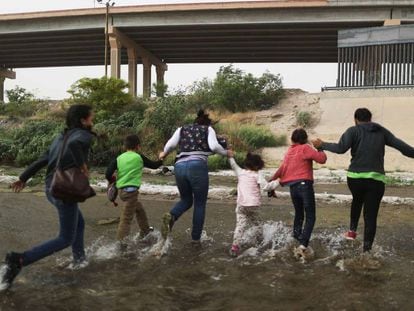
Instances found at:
x=3 y=269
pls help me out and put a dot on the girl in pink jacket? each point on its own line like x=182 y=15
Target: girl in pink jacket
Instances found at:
x=250 y=182
x=296 y=171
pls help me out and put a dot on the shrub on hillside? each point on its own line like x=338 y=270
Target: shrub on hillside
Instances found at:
x=106 y=95
x=249 y=137
x=33 y=139
x=218 y=162
x=303 y=119
x=166 y=114
x=236 y=91
x=22 y=104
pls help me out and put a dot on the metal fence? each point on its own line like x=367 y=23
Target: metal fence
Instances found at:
x=390 y=65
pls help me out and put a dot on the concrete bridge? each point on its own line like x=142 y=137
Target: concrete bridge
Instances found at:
x=155 y=35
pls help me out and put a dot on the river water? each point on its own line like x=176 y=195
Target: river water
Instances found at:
x=175 y=275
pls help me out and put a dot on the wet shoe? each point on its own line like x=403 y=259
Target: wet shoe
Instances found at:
x=234 y=250
x=350 y=235
x=300 y=251
x=78 y=264
x=167 y=224
x=13 y=263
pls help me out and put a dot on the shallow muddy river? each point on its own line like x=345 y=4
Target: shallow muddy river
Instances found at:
x=265 y=277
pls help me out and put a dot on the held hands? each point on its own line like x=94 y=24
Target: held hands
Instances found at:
x=317 y=143
x=230 y=153
x=18 y=186
x=162 y=155
x=85 y=170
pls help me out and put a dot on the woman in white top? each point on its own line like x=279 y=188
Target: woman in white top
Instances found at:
x=195 y=143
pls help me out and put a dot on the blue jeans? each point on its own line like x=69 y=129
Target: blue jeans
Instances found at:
x=303 y=199
x=72 y=227
x=192 y=182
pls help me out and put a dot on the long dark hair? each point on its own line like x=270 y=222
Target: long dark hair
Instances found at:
x=75 y=115
x=202 y=118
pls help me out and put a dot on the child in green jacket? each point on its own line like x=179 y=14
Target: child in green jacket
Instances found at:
x=129 y=167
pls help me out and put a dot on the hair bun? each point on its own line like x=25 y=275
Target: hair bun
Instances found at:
x=201 y=113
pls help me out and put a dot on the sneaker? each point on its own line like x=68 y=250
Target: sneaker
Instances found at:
x=300 y=251
x=350 y=235
x=234 y=250
x=13 y=263
x=167 y=224
x=78 y=264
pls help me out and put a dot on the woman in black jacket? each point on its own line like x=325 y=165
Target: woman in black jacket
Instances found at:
x=366 y=174
x=79 y=122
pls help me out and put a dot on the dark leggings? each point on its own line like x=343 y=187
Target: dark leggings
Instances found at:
x=366 y=193
x=303 y=199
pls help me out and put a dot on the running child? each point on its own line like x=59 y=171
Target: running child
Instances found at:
x=296 y=171
x=250 y=182
x=129 y=167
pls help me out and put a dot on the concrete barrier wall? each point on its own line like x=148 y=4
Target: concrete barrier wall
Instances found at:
x=394 y=109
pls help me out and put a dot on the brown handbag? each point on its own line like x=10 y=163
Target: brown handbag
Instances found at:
x=70 y=185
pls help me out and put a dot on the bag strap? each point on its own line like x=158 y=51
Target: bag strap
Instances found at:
x=62 y=148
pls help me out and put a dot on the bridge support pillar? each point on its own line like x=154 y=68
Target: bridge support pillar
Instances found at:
x=146 y=77
x=5 y=73
x=115 y=57
x=2 y=89
x=160 y=78
x=118 y=40
x=132 y=71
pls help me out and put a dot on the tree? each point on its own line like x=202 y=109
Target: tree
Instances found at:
x=106 y=95
x=234 y=90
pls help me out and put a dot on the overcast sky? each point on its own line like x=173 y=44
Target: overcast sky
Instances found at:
x=53 y=82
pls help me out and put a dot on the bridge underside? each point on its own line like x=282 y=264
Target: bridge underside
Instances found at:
x=181 y=44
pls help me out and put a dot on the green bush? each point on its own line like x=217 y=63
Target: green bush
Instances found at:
x=236 y=91
x=33 y=139
x=256 y=137
x=22 y=104
x=166 y=114
x=106 y=95
x=6 y=151
x=111 y=134
x=249 y=137
x=217 y=162
x=303 y=119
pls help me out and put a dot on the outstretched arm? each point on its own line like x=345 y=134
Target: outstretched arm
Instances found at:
x=278 y=173
x=172 y=142
x=35 y=167
x=237 y=169
x=392 y=141
x=310 y=153
x=344 y=144
x=30 y=172
x=214 y=144
x=151 y=164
